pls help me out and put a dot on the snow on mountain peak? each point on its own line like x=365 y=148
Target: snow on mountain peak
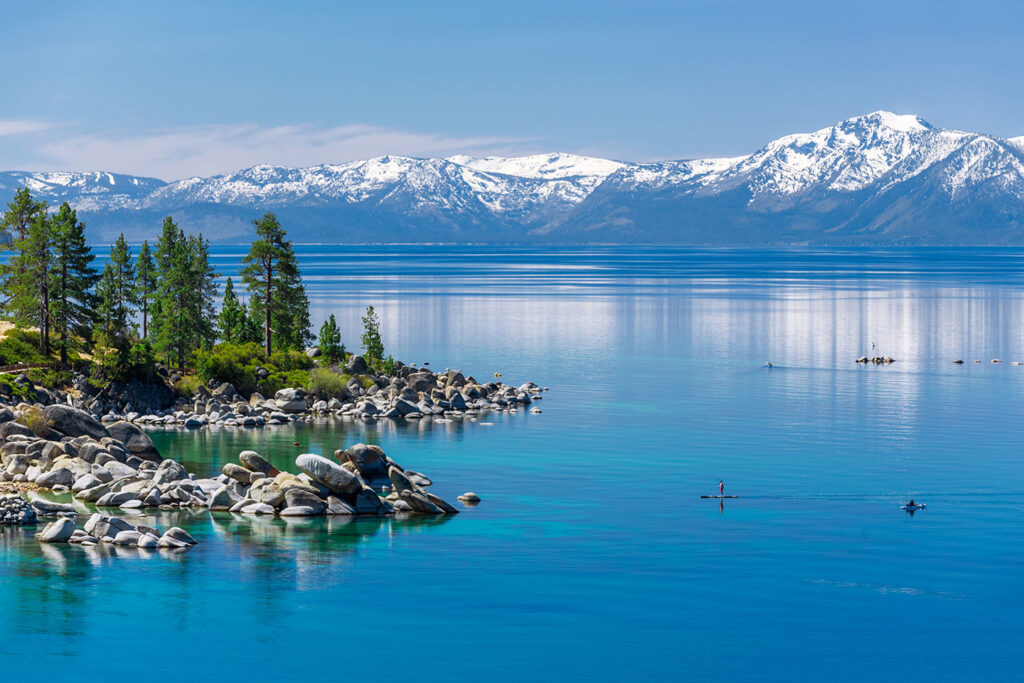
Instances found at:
x=864 y=159
x=904 y=123
x=545 y=166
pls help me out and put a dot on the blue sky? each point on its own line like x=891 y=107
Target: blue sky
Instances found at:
x=187 y=88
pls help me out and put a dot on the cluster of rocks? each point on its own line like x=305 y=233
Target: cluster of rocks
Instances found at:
x=422 y=394
x=15 y=510
x=103 y=529
x=347 y=485
x=69 y=448
x=117 y=466
x=877 y=360
x=411 y=394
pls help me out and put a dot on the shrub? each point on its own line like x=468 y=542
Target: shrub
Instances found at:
x=327 y=383
x=50 y=378
x=239 y=363
x=187 y=386
x=384 y=366
x=280 y=380
x=14 y=389
x=21 y=346
x=235 y=363
x=291 y=360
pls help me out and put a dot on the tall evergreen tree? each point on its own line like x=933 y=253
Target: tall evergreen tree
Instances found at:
x=145 y=284
x=16 y=291
x=72 y=308
x=330 y=341
x=117 y=300
x=186 y=292
x=372 y=344
x=169 y=236
x=30 y=303
x=21 y=211
x=202 y=314
x=271 y=274
x=252 y=325
x=232 y=315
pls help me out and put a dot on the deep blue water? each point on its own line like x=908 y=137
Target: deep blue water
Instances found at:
x=592 y=556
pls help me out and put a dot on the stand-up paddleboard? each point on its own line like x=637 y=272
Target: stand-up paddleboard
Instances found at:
x=719 y=496
x=916 y=506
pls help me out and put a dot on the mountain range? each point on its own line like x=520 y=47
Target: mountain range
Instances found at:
x=877 y=179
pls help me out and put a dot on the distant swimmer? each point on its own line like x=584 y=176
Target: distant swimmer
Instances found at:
x=497 y=375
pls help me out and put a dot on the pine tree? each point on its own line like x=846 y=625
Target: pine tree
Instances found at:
x=232 y=315
x=330 y=341
x=117 y=300
x=271 y=274
x=145 y=284
x=184 y=316
x=169 y=236
x=30 y=303
x=201 y=313
x=21 y=211
x=17 y=293
x=372 y=344
x=72 y=308
x=251 y=330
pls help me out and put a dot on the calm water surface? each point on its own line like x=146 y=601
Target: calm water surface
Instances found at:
x=592 y=556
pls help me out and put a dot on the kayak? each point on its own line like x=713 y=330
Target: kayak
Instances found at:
x=917 y=506
x=719 y=496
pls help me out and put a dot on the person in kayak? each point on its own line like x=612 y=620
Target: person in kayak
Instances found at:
x=911 y=504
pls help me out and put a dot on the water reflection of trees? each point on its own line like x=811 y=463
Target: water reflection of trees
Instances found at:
x=273 y=550
x=55 y=585
x=204 y=451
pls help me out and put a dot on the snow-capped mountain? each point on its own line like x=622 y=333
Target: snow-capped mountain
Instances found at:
x=881 y=178
x=86 y=191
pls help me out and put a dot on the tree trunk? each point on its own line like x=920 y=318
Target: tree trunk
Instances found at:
x=266 y=306
x=64 y=317
x=44 y=327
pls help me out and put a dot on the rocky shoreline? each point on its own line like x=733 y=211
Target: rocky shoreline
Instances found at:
x=410 y=394
x=117 y=467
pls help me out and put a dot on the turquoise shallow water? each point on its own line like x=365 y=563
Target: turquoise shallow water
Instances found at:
x=592 y=556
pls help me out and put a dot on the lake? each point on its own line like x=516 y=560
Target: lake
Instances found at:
x=592 y=555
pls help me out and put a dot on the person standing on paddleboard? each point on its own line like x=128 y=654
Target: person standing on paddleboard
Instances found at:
x=721 y=488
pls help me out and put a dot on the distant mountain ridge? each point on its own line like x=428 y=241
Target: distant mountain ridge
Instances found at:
x=877 y=179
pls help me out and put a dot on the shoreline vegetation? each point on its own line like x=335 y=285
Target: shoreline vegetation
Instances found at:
x=141 y=343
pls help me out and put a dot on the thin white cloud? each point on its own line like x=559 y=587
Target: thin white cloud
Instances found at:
x=208 y=150
x=22 y=126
